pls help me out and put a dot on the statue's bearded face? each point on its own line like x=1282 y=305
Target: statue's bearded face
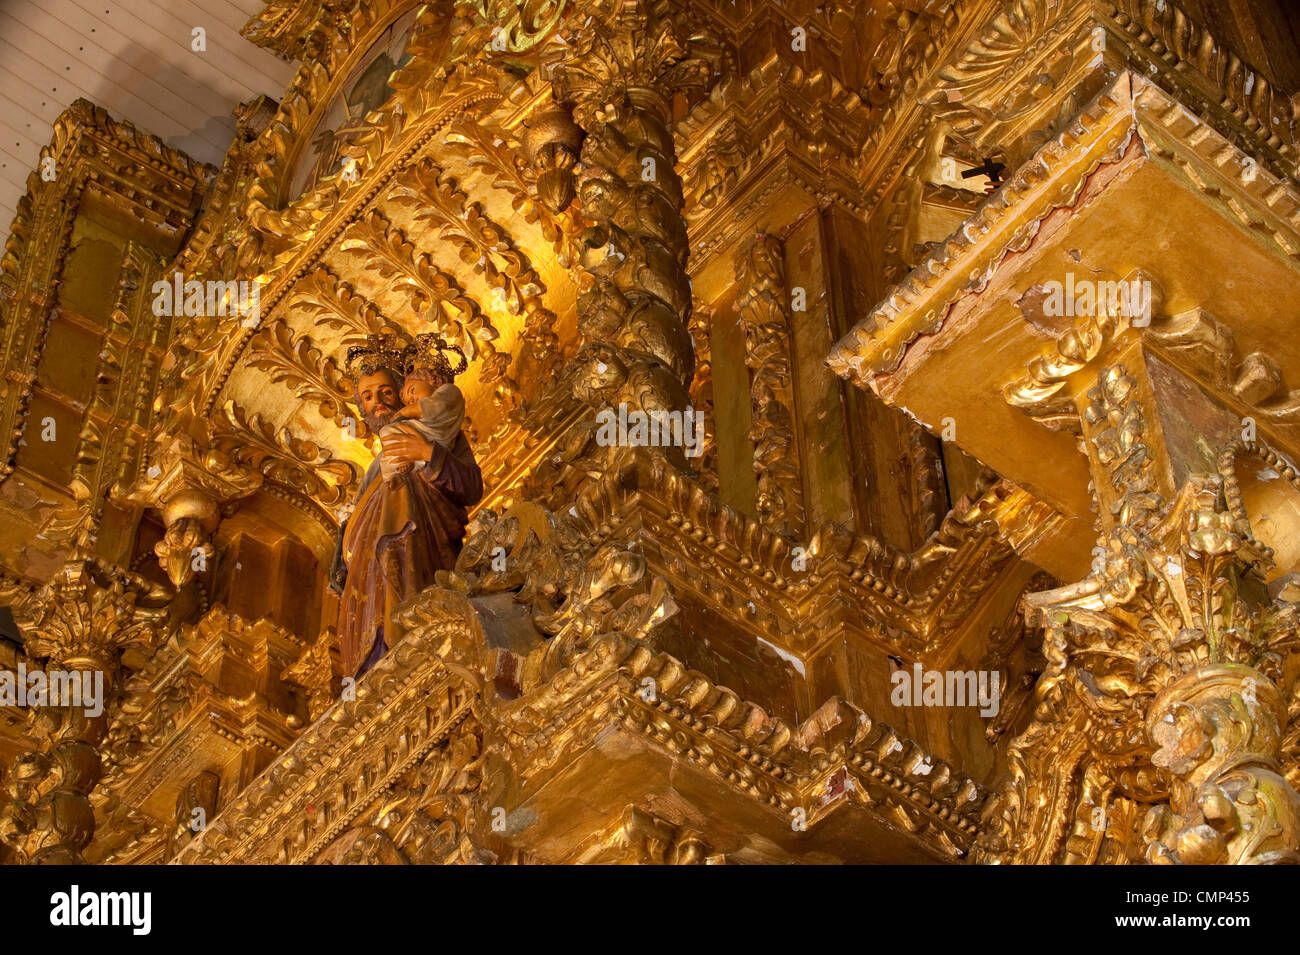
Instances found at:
x=377 y=394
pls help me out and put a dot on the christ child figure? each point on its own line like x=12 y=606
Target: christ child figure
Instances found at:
x=432 y=406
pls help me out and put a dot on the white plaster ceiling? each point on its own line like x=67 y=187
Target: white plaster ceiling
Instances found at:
x=135 y=59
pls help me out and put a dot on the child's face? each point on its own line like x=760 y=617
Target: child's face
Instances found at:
x=413 y=391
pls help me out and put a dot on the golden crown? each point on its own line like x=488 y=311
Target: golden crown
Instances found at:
x=378 y=351
x=429 y=351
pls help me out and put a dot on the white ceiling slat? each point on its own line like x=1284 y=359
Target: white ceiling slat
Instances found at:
x=39 y=70
x=6 y=153
x=19 y=141
x=171 y=45
x=228 y=54
x=133 y=58
x=47 y=22
x=14 y=165
x=208 y=14
x=40 y=63
x=23 y=107
x=17 y=187
x=7 y=183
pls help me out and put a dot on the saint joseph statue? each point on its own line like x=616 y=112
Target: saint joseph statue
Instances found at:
x=405 y=525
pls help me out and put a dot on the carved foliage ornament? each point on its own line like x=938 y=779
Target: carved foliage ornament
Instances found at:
x=1163 y=677
x=80 y=621
x=760 y=279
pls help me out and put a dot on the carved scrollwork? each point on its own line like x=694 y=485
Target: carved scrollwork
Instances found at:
x=522 y=24
x=760 y=278
x=297 y=361
x=1162 y=681
x=79 y=622
x=298 y=464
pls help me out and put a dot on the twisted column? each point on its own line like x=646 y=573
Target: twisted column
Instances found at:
x=623 y=64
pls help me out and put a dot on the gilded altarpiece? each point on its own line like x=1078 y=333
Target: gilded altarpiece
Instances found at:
x=827 y=235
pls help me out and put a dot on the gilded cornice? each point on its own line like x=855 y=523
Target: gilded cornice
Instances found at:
x=955 y=69
x=907 y=604
x=825 y=128
x=1133 y=114
x=746 y=749
x=1225 y=85
x=346 y=760
x=999 y=74
x=432 y=681
x=1004 y=223
x=167 y=181
x=141 y=160
x=1028 y=61
x=777 y=115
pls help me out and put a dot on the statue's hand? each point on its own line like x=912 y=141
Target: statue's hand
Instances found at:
x=405 y=448
x=338 y=575
x=338 y=578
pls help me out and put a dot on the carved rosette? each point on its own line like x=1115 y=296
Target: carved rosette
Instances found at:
x=80 y=621
x=616 y=76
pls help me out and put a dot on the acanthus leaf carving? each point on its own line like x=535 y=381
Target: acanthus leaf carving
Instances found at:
x=293 y=462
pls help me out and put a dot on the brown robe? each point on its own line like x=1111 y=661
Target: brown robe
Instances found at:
x=402 y=530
